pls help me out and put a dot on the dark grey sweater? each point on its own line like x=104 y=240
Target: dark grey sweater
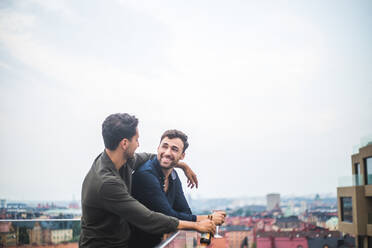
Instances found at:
x=108 y=207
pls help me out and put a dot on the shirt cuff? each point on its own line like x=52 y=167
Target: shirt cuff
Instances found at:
x=193 y=218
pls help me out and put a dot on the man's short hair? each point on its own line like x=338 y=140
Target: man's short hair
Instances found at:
x=173 y=133
x=117 y=127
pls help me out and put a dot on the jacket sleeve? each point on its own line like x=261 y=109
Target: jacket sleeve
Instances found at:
x=141 y=158
x=146 y=189
x=116 y=199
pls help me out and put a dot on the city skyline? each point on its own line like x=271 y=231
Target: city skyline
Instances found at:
x=273 y=95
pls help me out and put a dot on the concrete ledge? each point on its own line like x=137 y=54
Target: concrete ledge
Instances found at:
x=368 y=190
x=346 y=227
x=369 y=229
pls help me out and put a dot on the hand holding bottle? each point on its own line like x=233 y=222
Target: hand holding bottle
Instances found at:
x=206 y=226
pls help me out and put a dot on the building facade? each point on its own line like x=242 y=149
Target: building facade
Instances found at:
x=237 y=236
x=355 y=200
x=8 y=235
x=273 y=201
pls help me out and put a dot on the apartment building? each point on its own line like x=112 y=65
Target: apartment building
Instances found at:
x=355 y=200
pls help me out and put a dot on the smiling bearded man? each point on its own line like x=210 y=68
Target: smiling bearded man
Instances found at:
x=157 y=186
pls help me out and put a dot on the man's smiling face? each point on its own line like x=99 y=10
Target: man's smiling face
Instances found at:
x=170 y=151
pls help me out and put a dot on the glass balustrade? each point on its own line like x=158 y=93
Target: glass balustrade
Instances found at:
x=40 y=233
x=65 y=233
x=353 y=180
x=187 y=239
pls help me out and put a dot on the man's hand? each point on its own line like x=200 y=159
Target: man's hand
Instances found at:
x=206 y=226
x=218 y=217
x=192 y=179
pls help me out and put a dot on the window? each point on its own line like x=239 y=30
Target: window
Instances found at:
x=368 y=163
x=360 y=242
x=358 y=178
x=346 y=209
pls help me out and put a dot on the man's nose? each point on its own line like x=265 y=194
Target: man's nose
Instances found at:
x=167 y=151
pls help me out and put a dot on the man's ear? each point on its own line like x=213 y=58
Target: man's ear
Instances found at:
x=124 y=143
x=182 y=156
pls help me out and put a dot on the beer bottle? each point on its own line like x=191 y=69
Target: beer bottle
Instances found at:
x=205 y=239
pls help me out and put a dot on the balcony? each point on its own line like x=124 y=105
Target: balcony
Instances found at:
x=348 y=181
x=369 y=224
x=40 y=232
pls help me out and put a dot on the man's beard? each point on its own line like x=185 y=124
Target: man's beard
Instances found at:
x=128 y=155
x=170 y=166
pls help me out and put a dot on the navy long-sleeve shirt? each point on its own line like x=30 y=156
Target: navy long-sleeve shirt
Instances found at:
x=148 y=188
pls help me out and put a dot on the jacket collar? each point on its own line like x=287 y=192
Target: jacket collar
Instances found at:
x=106 y=160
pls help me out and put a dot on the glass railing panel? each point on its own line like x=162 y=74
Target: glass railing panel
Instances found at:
x=353 y=180
x=364 y=141
x=368 y=162
x=187 y=239
x=39 y=232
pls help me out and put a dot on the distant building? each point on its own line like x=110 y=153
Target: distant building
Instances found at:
x=280 y=239
x=57 y=232
x=317 y=201
x=308 y=239
x=237 y=236
x=2 y=203
x=332 y=224
x=7 y=235
x=355 y=200
x=303 y=207
x=61 y=235
x=221 y=243
x=273 y=201
x=329 y=242
x=36 y=234
x=17 y=206
x=289 y=223
x=74 y=205
x=45 y=232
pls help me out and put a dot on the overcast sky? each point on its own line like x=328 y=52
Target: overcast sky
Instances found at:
x=273 y=95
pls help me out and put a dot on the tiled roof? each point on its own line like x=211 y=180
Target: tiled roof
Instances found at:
x=308 y=234
x=331 y=242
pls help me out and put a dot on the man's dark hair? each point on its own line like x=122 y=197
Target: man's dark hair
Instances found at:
x=117 y=127
x=173 y=133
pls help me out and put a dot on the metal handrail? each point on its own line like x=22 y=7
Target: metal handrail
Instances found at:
x=28 y=220
x=168 y=240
